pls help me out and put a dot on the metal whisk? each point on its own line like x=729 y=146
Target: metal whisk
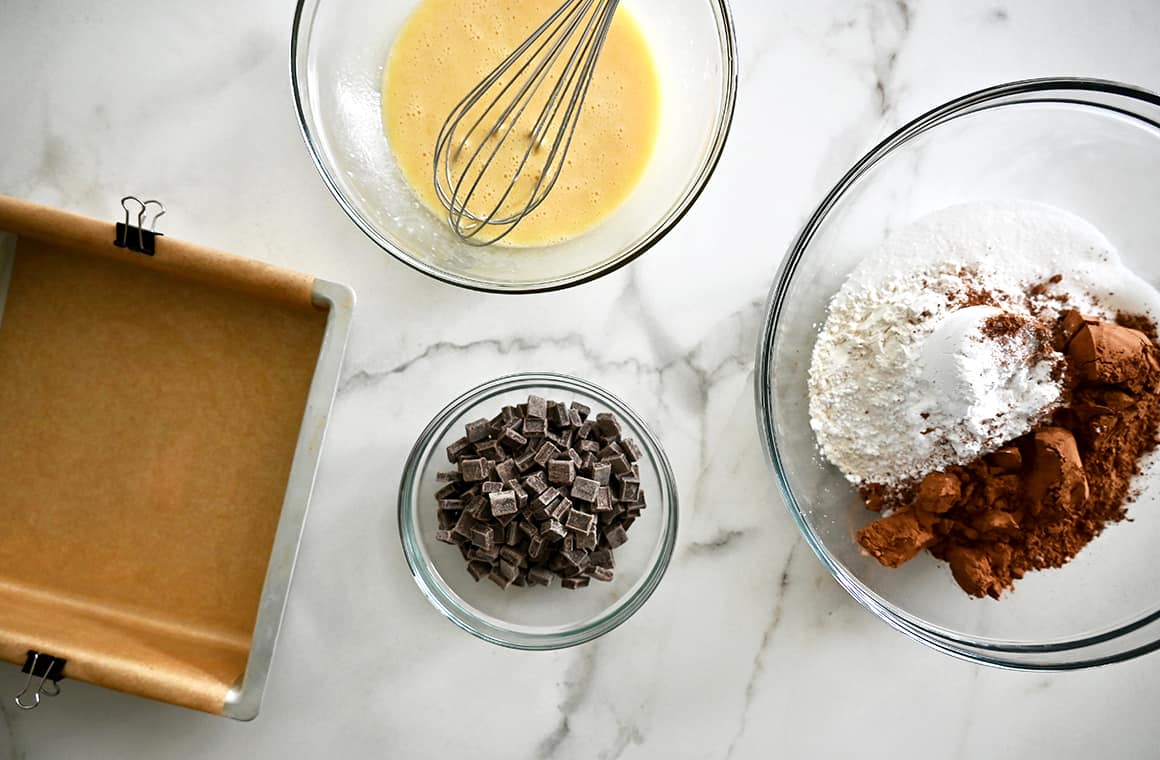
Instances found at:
x=479 y=146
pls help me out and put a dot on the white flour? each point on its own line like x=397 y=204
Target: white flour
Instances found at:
x=901 y=385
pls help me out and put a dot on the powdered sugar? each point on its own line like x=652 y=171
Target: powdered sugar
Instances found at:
x=903 y=379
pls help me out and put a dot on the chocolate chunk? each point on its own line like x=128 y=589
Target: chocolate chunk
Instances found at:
x=585 y=430
x=561 y=471
x=573 y=583
x=588 y=541
x=609 y=451
x=512 y=535
x=537 y=407
x=512 y=439
x=600 y=573
x=540 y=576
x=580 y=409
x=455 y=448
x=584 y=489
x=478 y=569
x=602 y=558
x=559 y=510
x=445 y=536
x=478 y=430
x=464 y=526
x=503 y=503
x=443 y=476
x=506 y=470
x=607 y=425
x=525 y=462
x=508 y=570
x=473 y=470
x=603 y=500
x=619 y=464
x=554 y=531
x=547 y=452
x=616 y=536
x=490 y=486
x=489 y=450
x=489 y=555
x=498 y=579
x=535 y=428
x=574 y=455
x=450 y=504
x=631 y=450
x=580 y=522
x=629 y=489
x=574 y=418
x=588 y=446
x=483 y=536
x=449 y=491
x=602 y=473
x=558 y=415
x=536 y=483
x=537 y=547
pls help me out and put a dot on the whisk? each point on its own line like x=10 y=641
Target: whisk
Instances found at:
x=489 y=175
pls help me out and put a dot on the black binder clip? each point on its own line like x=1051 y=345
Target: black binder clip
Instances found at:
x=137 y=237
x=49 y=670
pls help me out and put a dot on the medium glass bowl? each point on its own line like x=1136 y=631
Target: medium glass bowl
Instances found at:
x=337 y=52
x=534 y=617
x=1088 y=147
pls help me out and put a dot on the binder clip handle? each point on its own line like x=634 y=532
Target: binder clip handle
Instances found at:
x=49 y=669
x=137 y=237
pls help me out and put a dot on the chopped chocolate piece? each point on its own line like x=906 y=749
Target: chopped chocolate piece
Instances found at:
x=513 y=556
x=512 y=439
x=609 y=451
x=537 y=407
x=446 y=520
x=631 y=450
x=528 y=529
x=443 y=476
x=525 y=462
x=478 y=430
x=584 y=489
x=489 y=450
x=546 y=497
x=574 y=418
x=506 y=470
x=554 y=531
x=473 y=470
x=547 y=451
x=503 y=503
x=512 y=535
x=569 y=543
x=534 y=428
x=561 y=471
x=521 y=494
x=629 y=489
x=497 y=578
x=580 y=409
x=580 y=522
x=445 y=536
x=607 y=424
x=489 y=555
x=558 y=415
x=589 y=446
x=536 y=483
x=536 y=547
x=619 y=464
x=602 y=558
x=600 y=573
x=490 y=487
x=588 y=541
x=589 y=463
x=603 y=500
x=602 y=473
x=521 y=580
x=575 y=457
x=465 y=550
x=540 y=576
x=483 y=536
x=478 y=507
x=478 y=569
x=577 y=582
x=508 y=570
x=455 y=448
x=616 y=536
x=449 y=491
x=559 y=510
x=585 y=430
x=464 y=526
x=448 y=505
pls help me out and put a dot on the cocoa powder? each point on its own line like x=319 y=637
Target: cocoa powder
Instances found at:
x=1039 y=500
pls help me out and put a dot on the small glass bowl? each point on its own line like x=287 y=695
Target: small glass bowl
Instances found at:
x=337 y=52
x=534 y=617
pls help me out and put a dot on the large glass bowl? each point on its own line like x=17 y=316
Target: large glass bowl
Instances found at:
x=337 y=52
x=534 y=618
x=1088 y=147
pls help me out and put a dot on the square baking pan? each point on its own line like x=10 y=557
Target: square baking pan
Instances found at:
x=162 y=413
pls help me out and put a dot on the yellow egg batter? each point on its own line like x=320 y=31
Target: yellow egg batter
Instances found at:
x=447 y=46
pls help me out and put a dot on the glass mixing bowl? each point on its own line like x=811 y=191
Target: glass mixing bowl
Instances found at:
x=337 y=52
x=534 y=618
x=1088 y=147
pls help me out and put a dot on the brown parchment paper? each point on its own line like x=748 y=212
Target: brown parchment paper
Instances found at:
x=149 y=412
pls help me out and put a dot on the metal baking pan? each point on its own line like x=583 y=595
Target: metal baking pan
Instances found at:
x=162 y=413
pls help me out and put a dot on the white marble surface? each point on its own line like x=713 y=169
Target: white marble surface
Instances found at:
x=748 y=649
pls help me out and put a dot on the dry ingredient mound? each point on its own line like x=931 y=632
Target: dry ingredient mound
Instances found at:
x=911 y=374
x=1037 y=501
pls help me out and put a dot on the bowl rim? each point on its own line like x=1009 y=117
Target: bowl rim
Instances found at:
x=425 y=576
x=989 y=652
x=304 y=13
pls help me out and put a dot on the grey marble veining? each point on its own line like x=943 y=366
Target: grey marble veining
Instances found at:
x=748 y=649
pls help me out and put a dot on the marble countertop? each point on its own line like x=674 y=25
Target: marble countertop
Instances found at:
x=748 y=649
